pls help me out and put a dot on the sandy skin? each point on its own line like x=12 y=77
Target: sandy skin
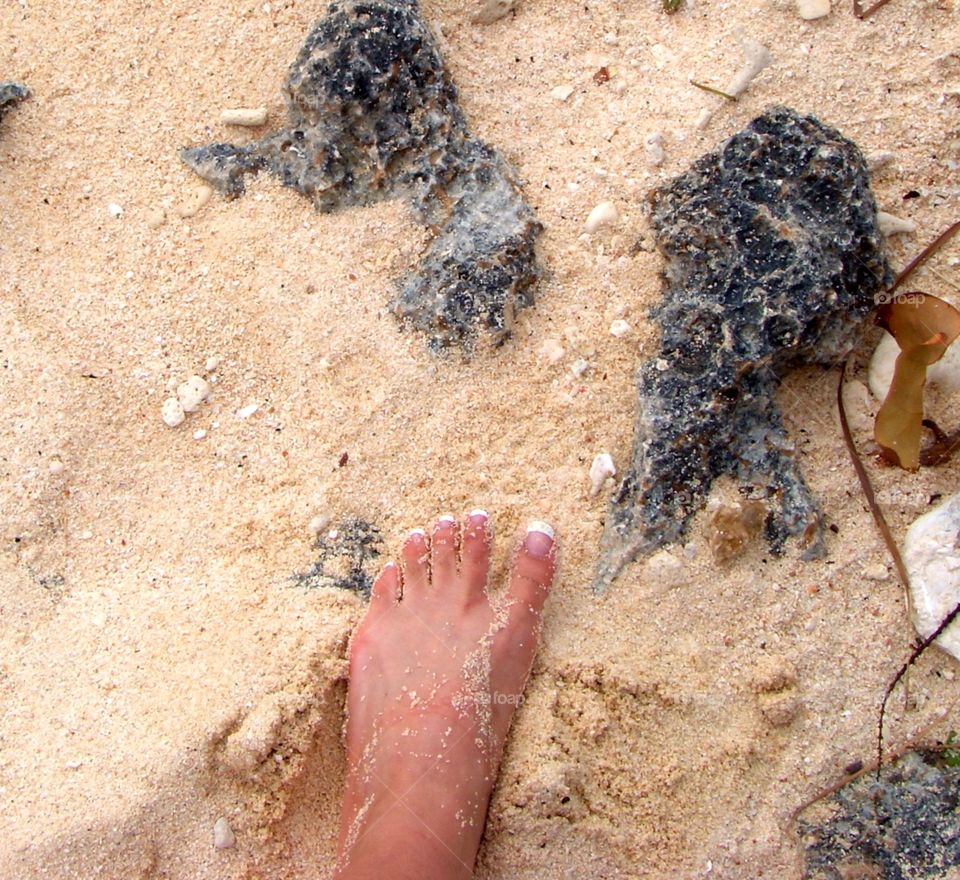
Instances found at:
x=437 y=668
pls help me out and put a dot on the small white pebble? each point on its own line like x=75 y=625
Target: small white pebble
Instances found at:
x=561 y=93
x=809 y=10
x=880 y=159
x=890 y=224
x=223 y=836
x=604 y=214
x=192 y=204
x=156 y=218
x=610 y=39
x=56 y=466
x=114 y=209
x=654 y=148
x=199 y=434
x=318 y=523
x=192 y=393
x=211 y=365
x=553 y=351
x=85 y=536
x=172 y=412
x=601 y=469
x=248 y=116
x=876 y=572
x=619 y=328
x=247 y=411
x=579 y=367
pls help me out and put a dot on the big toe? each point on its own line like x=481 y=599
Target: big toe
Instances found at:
x=533 y=569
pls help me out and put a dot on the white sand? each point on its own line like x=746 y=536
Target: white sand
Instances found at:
x=157 y=668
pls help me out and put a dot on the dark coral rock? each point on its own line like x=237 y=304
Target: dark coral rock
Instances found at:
x=906 y=826
x=372 y=114
x=773 y=261
x=11 y=94
x=346 y=558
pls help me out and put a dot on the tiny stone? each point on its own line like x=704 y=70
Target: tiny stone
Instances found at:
x=489 y=11
x=890 y=224
x=553 y=351
x=619 y=328
x=561 y=93
x=654 y=148
x=172 y=412
x=318 y=523
x=876 y=572
x=56 y=466
x=880 y=159
x=601 y=469
x=156 y=218
x=813 y=9
x=211 y=365
x=195 y=201
x=604 y=214
x=199 y=434
x=114 y=209
x=192 y=393
x=223 y=836
x=247 y=411
x=248 y=116
x=579 y=367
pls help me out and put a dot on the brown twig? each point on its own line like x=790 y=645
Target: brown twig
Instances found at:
x=862 y=13
x=917 y=652
x=712 y=90
x=868 y=492
x=943 y=446
x=929 y=250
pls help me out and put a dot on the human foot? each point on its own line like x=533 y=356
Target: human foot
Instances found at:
x=437 y=668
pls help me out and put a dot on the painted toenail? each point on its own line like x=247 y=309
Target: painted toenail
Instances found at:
x=539 y=541
x=418 y=533
x=479 y=512
x=446 y=518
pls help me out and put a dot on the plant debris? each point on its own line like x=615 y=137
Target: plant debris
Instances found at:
x=923 y=326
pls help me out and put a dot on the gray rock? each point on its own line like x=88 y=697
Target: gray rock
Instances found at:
x=373 y=114
x=773 y=260
x=346 y=558
x=904 y=826
x=11 y=94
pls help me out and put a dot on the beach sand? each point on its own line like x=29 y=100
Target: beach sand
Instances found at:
x=160 y=668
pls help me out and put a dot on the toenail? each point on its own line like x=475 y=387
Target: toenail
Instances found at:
x=539 y=541
x=446 y=518
x=479 y=512
x=414 y=533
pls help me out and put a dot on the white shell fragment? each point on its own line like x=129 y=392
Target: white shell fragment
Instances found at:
x=890 y=224
x=604 y=214
x=172 y=412
x=654 y=149
x=192 y=393
x=114 y=209
x=561 y=93
x=223 y=836
x=931 y=552
x=249 y=116
x=619 y=328
x=945 y=373
x=248 y=410
x=600 y=471
x=809 y=10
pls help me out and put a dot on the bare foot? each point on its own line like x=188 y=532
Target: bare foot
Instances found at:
x=437 y=668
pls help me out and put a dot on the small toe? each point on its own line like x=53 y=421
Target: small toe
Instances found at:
x=386 y=588
x=533 y=569
x=443 y=553
x=475 y=554
x=416 y=564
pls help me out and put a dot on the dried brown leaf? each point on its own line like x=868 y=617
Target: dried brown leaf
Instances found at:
x=923 y=326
